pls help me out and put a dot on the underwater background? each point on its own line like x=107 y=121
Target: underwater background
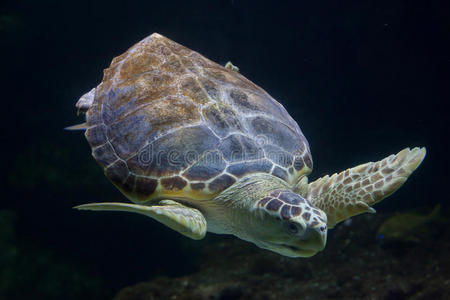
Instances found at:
x=363 y=79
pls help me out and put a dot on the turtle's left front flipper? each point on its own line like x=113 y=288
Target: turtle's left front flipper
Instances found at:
x=186 y=220
x=354 y=190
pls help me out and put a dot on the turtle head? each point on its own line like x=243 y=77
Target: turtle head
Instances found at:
x=292 y=226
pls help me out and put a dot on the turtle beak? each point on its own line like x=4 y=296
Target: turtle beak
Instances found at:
x=313 y=241
x=320 y=235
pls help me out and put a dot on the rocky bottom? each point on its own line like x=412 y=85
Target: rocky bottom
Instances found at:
x=354 y=265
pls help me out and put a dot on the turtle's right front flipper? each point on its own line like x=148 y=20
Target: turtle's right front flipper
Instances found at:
x=186 y=220
x=354 y=190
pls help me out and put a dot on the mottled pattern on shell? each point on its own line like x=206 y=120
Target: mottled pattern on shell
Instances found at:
x=167 y=122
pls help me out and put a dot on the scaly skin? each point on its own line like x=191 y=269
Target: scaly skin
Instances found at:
x=265 y=210
x=252 y=209
x=241 y=211
x=160 y=98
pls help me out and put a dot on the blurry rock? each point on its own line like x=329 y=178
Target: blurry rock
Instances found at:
x=231 y=292
x=356 y=269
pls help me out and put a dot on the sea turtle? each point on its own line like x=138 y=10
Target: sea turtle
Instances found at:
x=199 y=148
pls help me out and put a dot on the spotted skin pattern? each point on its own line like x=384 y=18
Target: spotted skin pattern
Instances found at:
x=167 y=122
x=354 y=190
x=286 y=205
x=197 y=147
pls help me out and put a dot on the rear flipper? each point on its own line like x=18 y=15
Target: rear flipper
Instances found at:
x=85 y=102
x=354 y=190
x=186 y=220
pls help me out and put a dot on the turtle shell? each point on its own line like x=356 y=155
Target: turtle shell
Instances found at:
x=167 y=122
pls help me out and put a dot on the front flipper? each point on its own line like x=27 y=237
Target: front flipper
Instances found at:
x=354 y=190
x=186 y=220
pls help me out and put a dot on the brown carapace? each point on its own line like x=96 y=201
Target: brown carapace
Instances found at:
x=198 y=147
x=168 y=122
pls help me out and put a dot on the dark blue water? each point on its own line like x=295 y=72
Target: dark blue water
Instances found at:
x=362 y=79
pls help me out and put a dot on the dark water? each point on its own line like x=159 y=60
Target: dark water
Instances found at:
x=363 y=79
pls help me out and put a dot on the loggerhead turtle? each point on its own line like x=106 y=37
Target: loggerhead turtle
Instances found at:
x=199 y=147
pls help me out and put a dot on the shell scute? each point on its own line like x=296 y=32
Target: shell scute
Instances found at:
x=276 y=133
x=162 y=108
x=172 y=65
x=117 y=172
x=197 y=186
x=151 y=86
x=104 y=155
x=241 y=99
x=128 y=187
x=308 y=161
x=211 y=89
x=298 y=163
x=93 y=117
x=137 y=64
x=173 y=152
x=221 y=183
x=209 y=165
x=191 y=89
x=244 y=168
x=173 y=183
x=280 y=173
x=221 y=119
x=145 y=187
x=96 y=135
x=278 y=155
x=237 y=147
x=124 y=135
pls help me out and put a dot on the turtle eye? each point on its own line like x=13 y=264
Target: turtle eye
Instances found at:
x=292 y=228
